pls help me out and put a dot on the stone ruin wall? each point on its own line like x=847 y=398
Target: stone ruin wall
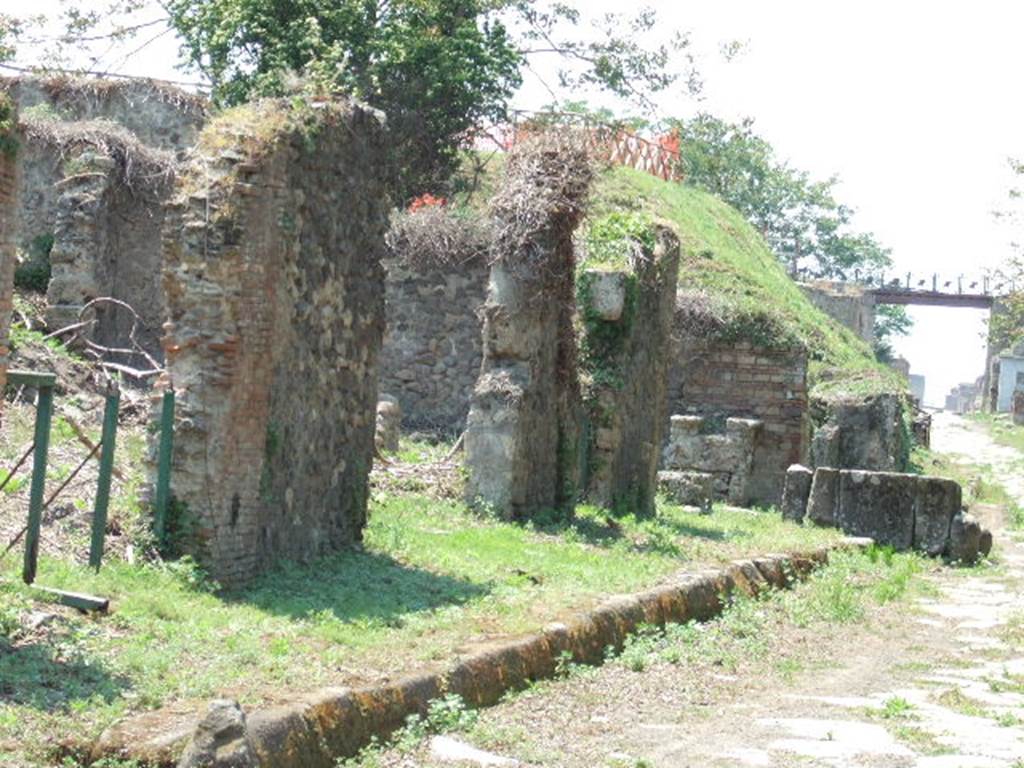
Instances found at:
x=723 y=379
x=627 y=415
x=871 y=433
x=275 y=296
x=846 y=304
x=95 y=167
x=432 y=344
x=8 y=208
x=159 y=114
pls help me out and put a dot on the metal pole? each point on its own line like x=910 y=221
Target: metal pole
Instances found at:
x=107 y=443
x=163 y=478
x=44 y=411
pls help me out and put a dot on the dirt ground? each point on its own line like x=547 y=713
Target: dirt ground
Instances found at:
x=934 y=682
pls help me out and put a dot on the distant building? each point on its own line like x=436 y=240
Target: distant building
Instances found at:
x=1010 y=377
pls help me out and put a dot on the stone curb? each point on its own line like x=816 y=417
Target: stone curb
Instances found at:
x=314 y=731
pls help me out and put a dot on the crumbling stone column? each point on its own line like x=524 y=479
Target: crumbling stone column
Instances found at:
x=627 y=328
x=523 y=428
x=8 y=216
x=275 y=294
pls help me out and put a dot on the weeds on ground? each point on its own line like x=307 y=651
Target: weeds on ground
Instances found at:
x=1002 y=429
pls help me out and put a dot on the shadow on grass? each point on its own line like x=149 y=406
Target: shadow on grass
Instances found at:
x=355 y=586
x=51 y=676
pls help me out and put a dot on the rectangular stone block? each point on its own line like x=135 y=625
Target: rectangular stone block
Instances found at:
x=937 y=502
x=690 y=489
x=796 y=493
x=879 y=505
x=824 y=496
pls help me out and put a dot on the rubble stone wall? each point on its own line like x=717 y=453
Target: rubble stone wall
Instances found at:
x=628 y=328
x=723 y=379
x=159 y=114
x=727 y=455
x=275 y=293
x=432 y=345
x=523 y=430
x=58 y=112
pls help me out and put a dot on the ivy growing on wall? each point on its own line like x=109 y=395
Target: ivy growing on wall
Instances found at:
x=8 y=127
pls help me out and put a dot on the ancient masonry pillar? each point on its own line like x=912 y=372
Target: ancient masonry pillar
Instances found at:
x=523 y=431
x=8 y=219
x=627 y=329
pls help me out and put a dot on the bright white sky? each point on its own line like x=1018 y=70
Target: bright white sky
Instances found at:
x=915 y=104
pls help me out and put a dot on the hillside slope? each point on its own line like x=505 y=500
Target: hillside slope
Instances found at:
x=725 y=258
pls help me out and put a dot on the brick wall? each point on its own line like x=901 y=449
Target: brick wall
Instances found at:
x=719 y=380
x=8 y=222
x=275 y=293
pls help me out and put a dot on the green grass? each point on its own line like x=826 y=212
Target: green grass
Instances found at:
x=726 y=257
x=980 y=482
x=431 y=576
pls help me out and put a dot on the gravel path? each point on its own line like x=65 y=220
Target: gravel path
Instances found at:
x=940 y=669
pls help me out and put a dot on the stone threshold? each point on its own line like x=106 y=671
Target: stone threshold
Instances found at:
x=313 y=731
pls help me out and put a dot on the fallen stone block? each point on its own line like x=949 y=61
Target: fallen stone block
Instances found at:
x=221 y=740
x=796 y=492
x=824 y=496
x=690 y=489
x=879 y=505
x=964 y=538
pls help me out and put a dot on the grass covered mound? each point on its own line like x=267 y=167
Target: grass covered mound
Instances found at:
x=727 y=269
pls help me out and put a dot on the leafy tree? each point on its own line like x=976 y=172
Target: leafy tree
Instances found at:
x=799 y=217
x=891 y=320
x=437 y=68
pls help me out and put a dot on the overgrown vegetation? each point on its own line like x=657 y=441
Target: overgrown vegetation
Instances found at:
x=738 y=289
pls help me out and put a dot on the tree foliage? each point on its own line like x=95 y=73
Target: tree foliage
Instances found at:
x=435 y=67
x=799 y=217
x=891 y=320
x=1006 y=323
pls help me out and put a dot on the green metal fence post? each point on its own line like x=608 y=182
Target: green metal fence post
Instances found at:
x=107 y=443
x=44 y=411
x=163 y=478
